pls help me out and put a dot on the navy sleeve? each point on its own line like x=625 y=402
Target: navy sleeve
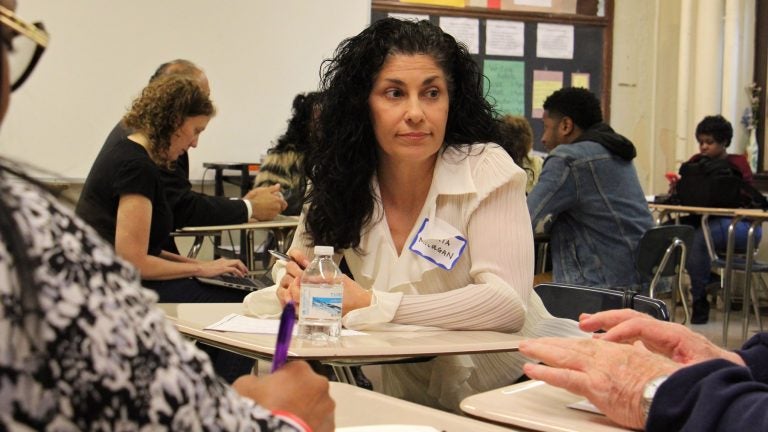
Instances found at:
x=716 y=395
x=755 y=355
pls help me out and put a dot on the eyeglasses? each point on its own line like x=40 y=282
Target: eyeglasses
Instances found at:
x=24 y=53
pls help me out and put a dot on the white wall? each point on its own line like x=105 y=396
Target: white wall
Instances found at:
x=257 y=54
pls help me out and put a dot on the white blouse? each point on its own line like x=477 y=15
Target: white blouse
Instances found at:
x=479 y=194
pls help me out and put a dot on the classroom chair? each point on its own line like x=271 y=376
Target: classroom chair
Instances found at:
x=569 y=301
x=661 y=253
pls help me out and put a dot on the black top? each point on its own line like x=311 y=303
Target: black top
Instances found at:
x=190 y=208
x=125 y=169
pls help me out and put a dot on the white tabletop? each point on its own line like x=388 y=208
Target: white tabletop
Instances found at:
x=191 y=318
x=538 y=406
x=279 y=222
x=360 y=407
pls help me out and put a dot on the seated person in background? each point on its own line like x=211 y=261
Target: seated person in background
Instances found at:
x=518 y=132
x=714 y=135
x=124 y=198
x=676 y=380
x=192 y=208
x=588 y=197
x=83 y=345
x=283 y=164
x=404 y=166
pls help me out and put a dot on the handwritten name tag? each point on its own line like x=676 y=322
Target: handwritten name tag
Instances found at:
x=438 y=242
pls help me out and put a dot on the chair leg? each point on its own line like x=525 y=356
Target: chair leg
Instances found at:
x=756 y=300
x=683 y=299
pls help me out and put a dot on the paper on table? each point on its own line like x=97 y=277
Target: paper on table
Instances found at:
x=242 y=324
x=585 y=405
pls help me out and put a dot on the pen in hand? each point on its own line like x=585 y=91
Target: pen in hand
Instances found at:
x=284 y=334
x=281 y=256
x=284 y=257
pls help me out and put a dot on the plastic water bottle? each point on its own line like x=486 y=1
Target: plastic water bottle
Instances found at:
x=321 y=296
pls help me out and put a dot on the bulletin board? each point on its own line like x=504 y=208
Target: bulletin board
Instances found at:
x=524 y=55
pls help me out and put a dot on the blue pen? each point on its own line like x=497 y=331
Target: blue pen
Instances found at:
x=284 y=334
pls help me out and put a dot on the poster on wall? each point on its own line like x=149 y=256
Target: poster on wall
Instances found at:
x=504 y=38
x=545 y=82
x=554 y=41
x=466 y=30
x=506 y=79
x=580 y=80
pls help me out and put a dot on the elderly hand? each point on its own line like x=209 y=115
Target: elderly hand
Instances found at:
x=671 y=340
x=294 y=388
x=267 y=202
x=611 y=375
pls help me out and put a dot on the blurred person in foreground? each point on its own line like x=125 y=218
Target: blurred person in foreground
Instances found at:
x=84 y=346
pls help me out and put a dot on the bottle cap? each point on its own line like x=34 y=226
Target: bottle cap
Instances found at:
x=323 y=250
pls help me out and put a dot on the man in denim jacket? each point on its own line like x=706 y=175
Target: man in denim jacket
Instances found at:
x=588 y=197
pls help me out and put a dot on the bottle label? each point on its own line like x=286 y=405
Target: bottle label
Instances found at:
x=439 y=243
x=321 y=301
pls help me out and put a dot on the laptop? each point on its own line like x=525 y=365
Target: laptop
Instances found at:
x=236 y=282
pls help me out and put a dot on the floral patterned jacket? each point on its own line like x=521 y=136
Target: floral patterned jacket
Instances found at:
x=84 y=347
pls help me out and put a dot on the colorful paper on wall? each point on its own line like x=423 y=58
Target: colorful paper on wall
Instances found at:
x=580 y=80
x=507 y=85
x=544 y=84
x=465 y=30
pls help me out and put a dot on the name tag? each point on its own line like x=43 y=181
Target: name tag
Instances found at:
x=438 y=242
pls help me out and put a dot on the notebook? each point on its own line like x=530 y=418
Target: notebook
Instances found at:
x=236 y=282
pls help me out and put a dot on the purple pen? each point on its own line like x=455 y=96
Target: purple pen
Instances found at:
x=284 y=334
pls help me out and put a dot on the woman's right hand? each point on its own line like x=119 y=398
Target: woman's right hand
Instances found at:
x=222 y=266
x=288 y=288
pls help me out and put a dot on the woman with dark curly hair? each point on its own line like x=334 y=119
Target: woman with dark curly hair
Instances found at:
x=124 y=200
x=429 y=215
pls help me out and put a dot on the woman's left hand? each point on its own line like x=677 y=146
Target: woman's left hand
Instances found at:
x=355 y=296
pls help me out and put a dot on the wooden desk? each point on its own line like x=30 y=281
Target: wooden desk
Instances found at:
x=663 y=210
x=372 y=348
x=537 y=406
x=736 y=215
x=281 y=227
x=757 y=217
x=359 y=407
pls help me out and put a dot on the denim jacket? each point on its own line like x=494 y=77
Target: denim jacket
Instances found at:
x=590 y=202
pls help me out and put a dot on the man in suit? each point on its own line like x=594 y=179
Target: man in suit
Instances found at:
x=192 y=208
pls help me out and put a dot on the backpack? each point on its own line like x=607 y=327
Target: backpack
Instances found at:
x=709 y=182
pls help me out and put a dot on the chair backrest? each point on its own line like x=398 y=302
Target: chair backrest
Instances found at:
x=653 y=245
x=569 y=301
x=651 y=306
